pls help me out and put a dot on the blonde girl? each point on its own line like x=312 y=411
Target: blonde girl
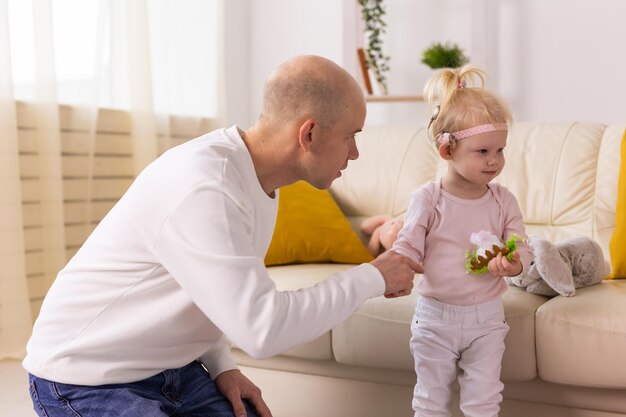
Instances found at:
x=459 y=326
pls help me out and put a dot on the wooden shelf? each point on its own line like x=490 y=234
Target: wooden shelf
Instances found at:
x=393 y=99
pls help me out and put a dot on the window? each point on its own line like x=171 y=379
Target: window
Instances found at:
x=85 y=52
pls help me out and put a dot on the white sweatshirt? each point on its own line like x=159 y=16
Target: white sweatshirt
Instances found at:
x=175 y=270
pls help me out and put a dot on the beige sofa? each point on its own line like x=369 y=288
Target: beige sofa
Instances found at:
x=564 y=356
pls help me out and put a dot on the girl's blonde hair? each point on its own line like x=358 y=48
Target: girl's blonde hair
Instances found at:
x=456 y=105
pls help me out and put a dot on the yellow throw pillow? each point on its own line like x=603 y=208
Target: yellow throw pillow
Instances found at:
x=617 y=246
x=310 y=227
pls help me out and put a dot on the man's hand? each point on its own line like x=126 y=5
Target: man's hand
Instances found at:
x=234 y=386
x=398 y=272
x=500 y=266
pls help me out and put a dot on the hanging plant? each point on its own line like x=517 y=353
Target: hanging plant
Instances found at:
x=373 y=13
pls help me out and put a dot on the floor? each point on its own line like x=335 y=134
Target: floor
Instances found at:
x=14 y=396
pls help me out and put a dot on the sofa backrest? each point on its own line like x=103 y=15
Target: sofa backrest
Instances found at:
x=563 y=174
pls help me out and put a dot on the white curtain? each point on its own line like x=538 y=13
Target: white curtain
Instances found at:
x=15 y=316
x=150 y=58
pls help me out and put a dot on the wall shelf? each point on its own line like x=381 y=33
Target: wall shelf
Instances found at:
x=393 y=99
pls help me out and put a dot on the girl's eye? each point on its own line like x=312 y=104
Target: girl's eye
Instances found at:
x=483 y=151
x=501 y=150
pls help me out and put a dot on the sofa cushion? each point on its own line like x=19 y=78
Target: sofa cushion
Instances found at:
x=554 y=180
x=378 y=334
x=520 y=360
x=393 y=161
x=564 y=175
x=294 y=277
x=581 y=339
x=310 y=227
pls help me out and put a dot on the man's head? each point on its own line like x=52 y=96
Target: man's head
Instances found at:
x=319 y=104
x=308 y=86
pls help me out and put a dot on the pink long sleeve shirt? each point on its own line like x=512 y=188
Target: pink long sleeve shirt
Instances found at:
x=436 y=234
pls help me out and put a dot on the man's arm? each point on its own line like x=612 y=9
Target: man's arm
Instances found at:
x=206 y=245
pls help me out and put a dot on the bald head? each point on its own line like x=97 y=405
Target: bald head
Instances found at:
x=309 y=86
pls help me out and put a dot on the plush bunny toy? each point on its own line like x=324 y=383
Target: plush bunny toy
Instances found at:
x=562 y=267
x=384 y=231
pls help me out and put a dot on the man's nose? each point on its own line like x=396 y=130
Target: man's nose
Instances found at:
x=354 y=150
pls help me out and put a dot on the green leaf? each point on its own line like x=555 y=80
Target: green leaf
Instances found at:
x=447 y=55
x=373 y=13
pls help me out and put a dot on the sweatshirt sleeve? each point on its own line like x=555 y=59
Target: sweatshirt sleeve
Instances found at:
x=411 y=239
x=206 y=244
x=218 y=359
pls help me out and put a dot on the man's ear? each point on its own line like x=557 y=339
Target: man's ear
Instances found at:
x=305 y=134
x=445 y=151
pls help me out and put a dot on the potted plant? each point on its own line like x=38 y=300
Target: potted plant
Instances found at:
x=446 y=55
x=373 y=13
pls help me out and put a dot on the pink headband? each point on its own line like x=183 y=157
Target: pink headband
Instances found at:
x=472 y=131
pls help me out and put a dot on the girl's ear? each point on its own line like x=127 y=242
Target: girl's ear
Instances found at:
x=445 y=151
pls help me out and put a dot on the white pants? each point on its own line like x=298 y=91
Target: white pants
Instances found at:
x=465 y=341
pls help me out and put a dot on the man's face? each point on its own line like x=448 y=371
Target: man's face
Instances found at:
x=335 y=146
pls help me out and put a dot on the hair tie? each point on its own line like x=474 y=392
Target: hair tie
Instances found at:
x=461 y=84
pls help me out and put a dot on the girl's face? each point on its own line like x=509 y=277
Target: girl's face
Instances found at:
x=478 y=159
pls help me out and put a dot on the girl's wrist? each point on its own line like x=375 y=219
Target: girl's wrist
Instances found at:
x=519 y=269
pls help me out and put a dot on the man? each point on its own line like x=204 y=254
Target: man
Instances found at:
x=175 y=270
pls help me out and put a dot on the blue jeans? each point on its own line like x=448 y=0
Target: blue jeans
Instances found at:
x=185 y=392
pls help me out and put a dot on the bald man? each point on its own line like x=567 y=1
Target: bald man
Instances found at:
x=139 y=322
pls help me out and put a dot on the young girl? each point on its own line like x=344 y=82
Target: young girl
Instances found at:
x=459 y=327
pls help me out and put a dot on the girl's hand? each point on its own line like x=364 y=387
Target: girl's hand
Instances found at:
x=500 y=266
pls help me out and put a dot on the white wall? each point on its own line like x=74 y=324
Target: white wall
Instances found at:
x=281 y=29
x=552 y=60
x=564 y=60
x=235 y=70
